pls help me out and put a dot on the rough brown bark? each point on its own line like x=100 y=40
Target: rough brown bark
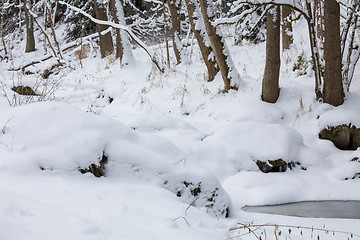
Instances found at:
x=270 y=83
x=30 y=40
x=217 y=44
x=175 y=28
x=333 y=87
x=106 y=43
x=287 y=37
x=205 y=50
x=119 y=51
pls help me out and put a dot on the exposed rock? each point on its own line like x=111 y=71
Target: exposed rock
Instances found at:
x=97 y=170
x=344 y=137
x=53 y=69
x=24 y=90
x=278 y=165
x=357 y=174
x=200 y=194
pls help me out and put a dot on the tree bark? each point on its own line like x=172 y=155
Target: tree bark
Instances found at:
x=205 y=50
x=217 y=44
x=175 y=28
x=30 y=40
x=2 y=29
x=119 y=51
x=106 y=43
x=270 y=83
x=333 y=87
x=287 y=31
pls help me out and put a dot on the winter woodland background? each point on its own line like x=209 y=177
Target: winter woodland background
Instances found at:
x=130 y=119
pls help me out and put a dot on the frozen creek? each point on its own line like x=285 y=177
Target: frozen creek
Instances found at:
x=312 y=209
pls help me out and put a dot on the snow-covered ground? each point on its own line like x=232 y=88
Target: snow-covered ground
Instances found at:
x=164 y=136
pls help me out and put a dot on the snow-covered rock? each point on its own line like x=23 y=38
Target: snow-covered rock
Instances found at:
x=58 y=137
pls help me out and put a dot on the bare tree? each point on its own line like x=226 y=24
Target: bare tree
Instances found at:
x=1 y=25
x=333 y=92
x=123 y=46
x=205 y=49
x=175 y=28
x=287 y=36
x=30 y=40
x=222 y=56
x=106 y=42
x=270 y=83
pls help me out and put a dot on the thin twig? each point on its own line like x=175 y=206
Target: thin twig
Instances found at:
x=191 y=203
x=181 y=218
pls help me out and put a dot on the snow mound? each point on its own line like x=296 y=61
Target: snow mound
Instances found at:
x=339 y=116
x=158 y=122
x=262 y=141
x=57 y=137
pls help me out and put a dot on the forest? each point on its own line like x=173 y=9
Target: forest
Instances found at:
x=171 y=119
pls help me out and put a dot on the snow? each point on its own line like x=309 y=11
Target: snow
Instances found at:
x=165 y=135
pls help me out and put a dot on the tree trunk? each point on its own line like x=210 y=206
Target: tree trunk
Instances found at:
x=205 y=50
x=175 y=28
x=30 y=40
x=106 y=43
x=119 y=51
x=222 y=56
x=270 y=83
x=318 y=19
x=287 y=32
x=333 y=87
x=123 y=46
x=1 y=27
x=166 y=35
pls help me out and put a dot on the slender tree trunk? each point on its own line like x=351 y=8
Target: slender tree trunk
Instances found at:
x=123 y=45
x=53 y=32
x=30 y=40
x=270 y=83
x=119 y=52
x=165 y=35
x=223 y=59
x=333 y=87
x=205 y=50
x=106 y=43
x=1 y=27
x=287 y=32
x=318 y=19
x=175 y=28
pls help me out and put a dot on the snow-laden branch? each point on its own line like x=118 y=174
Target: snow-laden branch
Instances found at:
x=119 y=26
x=295 y=4
x=232 y=20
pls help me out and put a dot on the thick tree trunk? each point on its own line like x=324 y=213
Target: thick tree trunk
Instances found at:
x=106 y=43
x=175 y=28
x=30 y=40
x=205 y=50
x=270 y=83
x=287 y=32
x=333 y=87
x=222 y=57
